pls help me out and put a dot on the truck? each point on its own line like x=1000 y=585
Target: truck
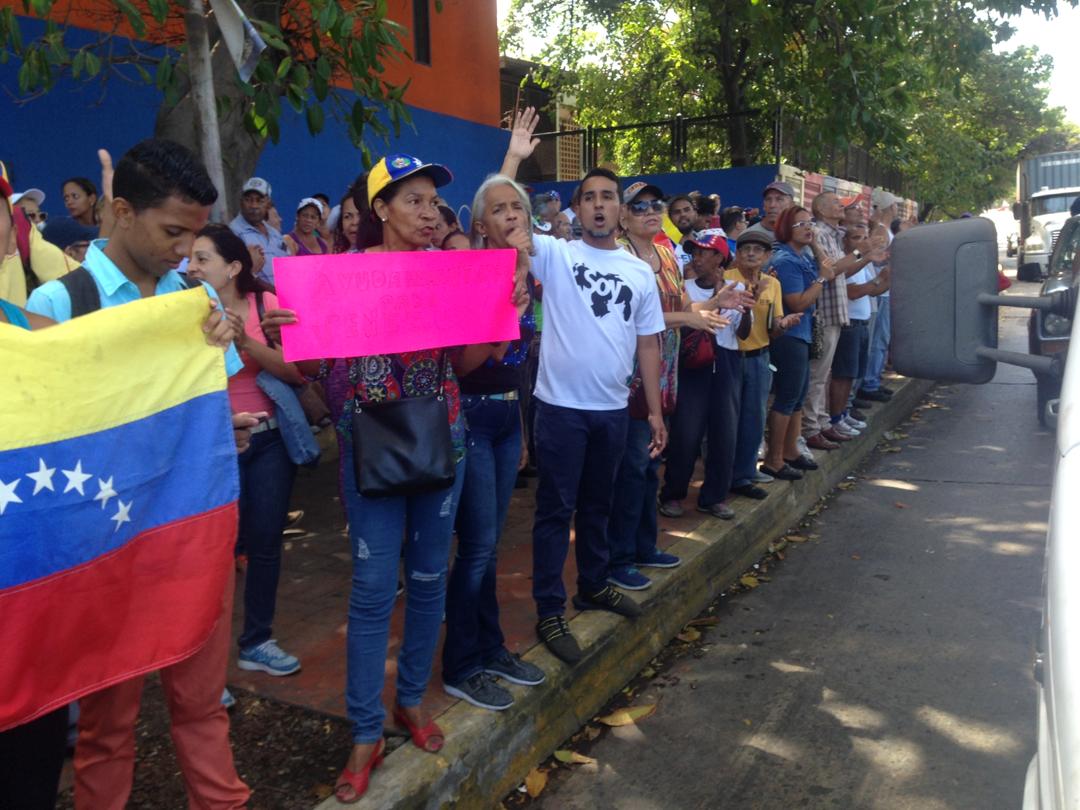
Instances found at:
x=945 y=304
x=1046 y=186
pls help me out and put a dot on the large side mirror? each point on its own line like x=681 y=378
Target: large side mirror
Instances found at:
x=938 y=271
x=1017 y=210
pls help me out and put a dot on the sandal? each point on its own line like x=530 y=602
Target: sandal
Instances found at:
x=358 y=780
x=429 y=738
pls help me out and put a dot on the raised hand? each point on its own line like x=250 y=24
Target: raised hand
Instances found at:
x=522 y=143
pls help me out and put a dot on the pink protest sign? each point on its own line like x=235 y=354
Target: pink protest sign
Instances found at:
x=354 y=305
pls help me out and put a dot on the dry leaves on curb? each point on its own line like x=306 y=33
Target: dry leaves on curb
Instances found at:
x=573 y=758
x=900 y=505
x=704 y=621
x=535 y=782
x=796 y=538
x=628 y=716
x=689 y=634
x=748 y=580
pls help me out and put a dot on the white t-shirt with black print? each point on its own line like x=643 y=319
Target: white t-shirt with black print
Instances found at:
x=596 y=304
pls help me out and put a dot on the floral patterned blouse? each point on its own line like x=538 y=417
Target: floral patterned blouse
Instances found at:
x=383 y=377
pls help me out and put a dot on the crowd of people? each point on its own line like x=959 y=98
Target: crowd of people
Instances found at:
x=749 y=342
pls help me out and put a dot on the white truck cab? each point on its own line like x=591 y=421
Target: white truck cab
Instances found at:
x=1049 y=210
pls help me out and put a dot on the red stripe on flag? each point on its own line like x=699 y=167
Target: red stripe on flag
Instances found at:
x=146 y=605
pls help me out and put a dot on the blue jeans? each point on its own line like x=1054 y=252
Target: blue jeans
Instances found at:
x=577 y=456
x=708 y=405
x=377 y=527
x=632 y=528
x=756 y=380
x=266 y=482
x=473 y=636
x=879 y=347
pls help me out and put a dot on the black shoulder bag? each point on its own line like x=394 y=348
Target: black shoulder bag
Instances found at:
x=402 y=446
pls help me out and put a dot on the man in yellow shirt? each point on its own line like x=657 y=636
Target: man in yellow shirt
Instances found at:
x=47 y=262
x=753 y=249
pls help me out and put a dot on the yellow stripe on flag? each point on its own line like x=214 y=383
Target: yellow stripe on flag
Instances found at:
x=106 y=369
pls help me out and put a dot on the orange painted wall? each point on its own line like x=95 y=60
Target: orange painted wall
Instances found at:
x=462 y=80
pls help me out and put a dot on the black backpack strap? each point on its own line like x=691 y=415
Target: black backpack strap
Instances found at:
x=82 y=290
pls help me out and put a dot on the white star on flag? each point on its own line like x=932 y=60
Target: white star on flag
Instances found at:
x=7 y=494
x=76 y=478
x=105 y=492
x=121 y=516
x=42 y=478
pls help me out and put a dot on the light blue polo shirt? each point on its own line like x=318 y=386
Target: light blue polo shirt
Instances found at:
x=271 y=242
x=52 y=300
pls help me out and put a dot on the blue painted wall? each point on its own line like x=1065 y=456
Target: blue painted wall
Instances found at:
x=736 y=186
x=57 y=136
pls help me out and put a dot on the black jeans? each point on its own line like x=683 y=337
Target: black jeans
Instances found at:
x=31 y=758
x=708 y=405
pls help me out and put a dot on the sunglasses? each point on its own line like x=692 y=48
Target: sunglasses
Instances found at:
x=36 y=216
x=644 y=206
x=804 y=224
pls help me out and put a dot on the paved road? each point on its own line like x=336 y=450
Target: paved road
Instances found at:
x=887 y=664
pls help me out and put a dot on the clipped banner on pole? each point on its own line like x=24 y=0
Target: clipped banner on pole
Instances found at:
x=241 y=38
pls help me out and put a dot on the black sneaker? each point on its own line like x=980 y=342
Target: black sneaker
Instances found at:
x=873 y=396
x=510 y=667
x=555 y=633
x=481 y=690
x=607 y=598
x=750 y=491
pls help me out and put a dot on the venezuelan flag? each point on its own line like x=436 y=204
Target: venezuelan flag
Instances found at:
x=118 y=490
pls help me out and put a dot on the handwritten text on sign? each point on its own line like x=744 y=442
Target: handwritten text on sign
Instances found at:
x=355 y=305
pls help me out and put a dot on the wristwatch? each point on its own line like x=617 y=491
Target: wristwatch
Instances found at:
x=857 y=254
x=819 y=280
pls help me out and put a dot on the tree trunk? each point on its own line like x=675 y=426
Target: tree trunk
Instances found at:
x=240 y=149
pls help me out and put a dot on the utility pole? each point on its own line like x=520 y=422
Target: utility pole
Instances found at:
x=202 y=95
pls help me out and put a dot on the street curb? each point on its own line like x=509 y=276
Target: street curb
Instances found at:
x=487 y=754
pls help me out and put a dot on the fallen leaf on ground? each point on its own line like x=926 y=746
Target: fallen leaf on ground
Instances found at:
x=574 y=758
x=796 y=538
x=749 y=581
x=689 y=634
x=763 y=578
x=648 y=672
x=592 y=732
x=535 y=782
x=856 y=556
x=900 y=505
x=704 y=621
x=890 y=450
x=747 y=723
x=628 y=716
x=322 y=791
x=845 y=485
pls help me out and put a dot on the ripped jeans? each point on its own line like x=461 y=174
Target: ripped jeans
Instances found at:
x=377 y=527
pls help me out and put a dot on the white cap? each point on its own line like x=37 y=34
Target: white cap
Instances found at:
x=883 y=199
x=304 y=203
x=256 y=184
x=35 y=194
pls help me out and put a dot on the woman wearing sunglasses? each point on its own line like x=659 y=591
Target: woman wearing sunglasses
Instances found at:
x=801 y=282
x=632 y=528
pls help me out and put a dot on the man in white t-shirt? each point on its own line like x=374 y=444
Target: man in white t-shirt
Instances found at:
x=849 y=359
x=601 y=307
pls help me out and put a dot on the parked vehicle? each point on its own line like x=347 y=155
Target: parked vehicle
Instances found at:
x=1049 y=333
x=1010 y=245
x=1046 y=185
x=945 y=315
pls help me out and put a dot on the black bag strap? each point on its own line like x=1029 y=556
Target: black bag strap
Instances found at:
x=82 y=290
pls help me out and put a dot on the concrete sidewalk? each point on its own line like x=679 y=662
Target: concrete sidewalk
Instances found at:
x=488 y=753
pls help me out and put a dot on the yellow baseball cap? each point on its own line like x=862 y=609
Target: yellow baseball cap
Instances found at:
x=396 y=167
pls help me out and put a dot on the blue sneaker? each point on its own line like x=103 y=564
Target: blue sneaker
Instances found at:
x=268 y=657
x=660 y=559
x=629 y=579
x=227 y=699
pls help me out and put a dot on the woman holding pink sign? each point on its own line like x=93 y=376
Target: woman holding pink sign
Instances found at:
x=403 y=436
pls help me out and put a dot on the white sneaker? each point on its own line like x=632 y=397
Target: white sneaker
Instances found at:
x=851 y=421
x=804 y=451
x=844 y=429
x=761 y=451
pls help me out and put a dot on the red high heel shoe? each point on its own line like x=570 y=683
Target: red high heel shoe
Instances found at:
x=358 y=780
x=429 y=738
